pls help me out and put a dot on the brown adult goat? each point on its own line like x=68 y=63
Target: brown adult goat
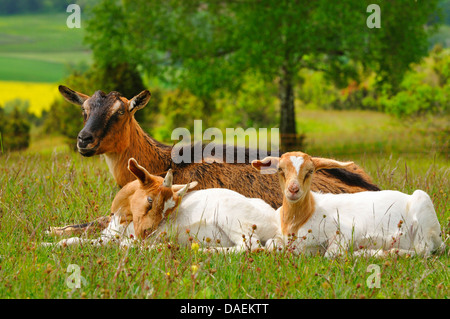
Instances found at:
x=111 y=129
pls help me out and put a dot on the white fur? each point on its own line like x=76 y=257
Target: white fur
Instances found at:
x=122 y=233
x=297 y=161
x=377 y=222
x=116 y=106
x=224 y=215
x=110 y=159
x=168 y=204
x=217 y=214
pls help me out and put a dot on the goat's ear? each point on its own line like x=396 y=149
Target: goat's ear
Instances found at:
x=168 y=179
x=139 y=101
x=72 y=96
x=184 y=189
x=268 y=165
x=137 y=170
x=326 y=163
x=176 y=188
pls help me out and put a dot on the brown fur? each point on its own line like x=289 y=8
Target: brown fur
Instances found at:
x=295 y=215
x=125 y=139
x=91 y=227
x=132 y=203
x=298 y=209
x=155 y=157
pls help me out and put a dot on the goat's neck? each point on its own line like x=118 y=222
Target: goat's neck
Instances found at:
x=149 y=153
x=295 y=215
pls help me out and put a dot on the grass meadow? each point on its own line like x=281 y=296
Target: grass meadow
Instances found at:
x=38 y=48
x=49 y=185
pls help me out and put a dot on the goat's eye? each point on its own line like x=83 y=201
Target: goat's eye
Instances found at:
x=309 y=173
x=121 y=112
x=150 y=201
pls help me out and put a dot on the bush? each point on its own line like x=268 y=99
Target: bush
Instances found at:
x=149 y=115
x=14 y=129
x=179 y=108
x=425 y=89
x=255 y=105
x=315 y=91
x=64 y=119
x=418 y=96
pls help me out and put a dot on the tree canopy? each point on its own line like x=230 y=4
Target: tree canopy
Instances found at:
x=209 y=45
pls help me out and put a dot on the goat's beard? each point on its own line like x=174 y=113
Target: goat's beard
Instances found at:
x=294 y=198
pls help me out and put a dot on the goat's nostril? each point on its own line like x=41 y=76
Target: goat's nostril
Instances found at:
x=293 y=189
x=85 y=137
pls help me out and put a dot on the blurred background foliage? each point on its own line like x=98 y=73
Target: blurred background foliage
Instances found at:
x=239 y=63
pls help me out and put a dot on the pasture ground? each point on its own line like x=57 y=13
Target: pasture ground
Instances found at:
x=48 y=185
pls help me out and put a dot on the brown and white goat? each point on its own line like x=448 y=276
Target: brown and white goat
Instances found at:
x=111 y=129
x=375 y=223
x=151 y=197
x=216 y=218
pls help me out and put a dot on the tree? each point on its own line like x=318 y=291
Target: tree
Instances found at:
x=14 y=130
x=206 y=46
x=114 y=68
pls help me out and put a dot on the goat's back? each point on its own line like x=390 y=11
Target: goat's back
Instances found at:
x=244 y=179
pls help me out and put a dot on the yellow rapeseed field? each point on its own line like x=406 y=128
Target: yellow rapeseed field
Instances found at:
x=39 y=95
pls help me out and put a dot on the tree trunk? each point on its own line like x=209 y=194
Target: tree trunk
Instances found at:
x=288 y=131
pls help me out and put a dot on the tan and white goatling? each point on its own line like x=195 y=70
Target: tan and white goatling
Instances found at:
x=219 y=218
x=123 y=224
x=374 y=223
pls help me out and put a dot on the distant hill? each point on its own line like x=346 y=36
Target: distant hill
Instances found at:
x=14 y=7
x=39 y=47
x=442 y=36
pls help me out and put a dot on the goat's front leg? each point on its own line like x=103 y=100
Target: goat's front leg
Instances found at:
x=274 y=244
x=234 y=249
x=97 y=225
x=336 y=247
x=73 y=241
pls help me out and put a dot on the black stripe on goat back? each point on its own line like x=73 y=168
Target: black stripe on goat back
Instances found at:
x=349 y=178
x=241 y=155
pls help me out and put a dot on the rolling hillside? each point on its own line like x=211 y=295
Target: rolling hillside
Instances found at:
x=36 y=53
x=39 y=48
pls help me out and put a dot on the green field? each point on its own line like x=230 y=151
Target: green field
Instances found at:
x=18 y=69
x=39 y=48
x=334 y=132
x=48 y=185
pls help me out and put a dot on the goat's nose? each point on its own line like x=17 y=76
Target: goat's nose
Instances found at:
x=293 y=188
x=85 y=138
x=147 y=232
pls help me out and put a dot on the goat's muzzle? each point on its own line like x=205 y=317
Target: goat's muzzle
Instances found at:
x=85 y=141
x=293 y=192
x=147 y=233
